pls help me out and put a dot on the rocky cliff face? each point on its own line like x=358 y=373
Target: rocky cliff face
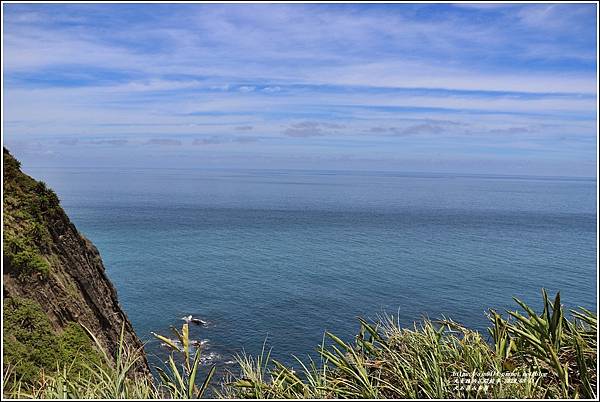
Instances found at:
x=51 y=266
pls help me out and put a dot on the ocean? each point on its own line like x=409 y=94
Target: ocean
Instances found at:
x=279 y=257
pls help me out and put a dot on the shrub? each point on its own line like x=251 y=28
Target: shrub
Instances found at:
x=23 y=255
x=28 y=262
x=38 y=234
x=31 y=345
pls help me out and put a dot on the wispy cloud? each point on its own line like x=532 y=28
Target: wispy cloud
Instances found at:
x=116 y=142
x=208 y=141
x=214 y=140
x=246 y=88
x=315 y=78
x=163 y=142
x=311 y=129
x=245 y=140
x=421 y=129
x=514 y=130
x=271 y=89
x=69 y=141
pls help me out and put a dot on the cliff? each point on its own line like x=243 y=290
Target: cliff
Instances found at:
x=53 y=279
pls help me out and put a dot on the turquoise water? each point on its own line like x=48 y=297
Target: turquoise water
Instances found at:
x=286 y=255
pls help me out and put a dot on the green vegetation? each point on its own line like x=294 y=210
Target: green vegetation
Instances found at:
x=31 y=345
x=108 y=378
x=28 y=207
x=532 y=356
x=25 y=258
x=103 y=378
x=529 y=355
x=181 y=384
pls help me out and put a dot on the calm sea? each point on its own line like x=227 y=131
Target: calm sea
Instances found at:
x=286 y=255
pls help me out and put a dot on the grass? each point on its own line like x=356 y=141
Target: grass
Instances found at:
x=113 y=377
x=181 y=383
x=529 y=355
x=524 y=355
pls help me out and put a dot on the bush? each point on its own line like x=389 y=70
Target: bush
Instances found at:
x=31 y=345
x=28 y=262
x=23 y=255
x=39 y=234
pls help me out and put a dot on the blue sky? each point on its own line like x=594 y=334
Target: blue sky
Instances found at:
x=486 y=88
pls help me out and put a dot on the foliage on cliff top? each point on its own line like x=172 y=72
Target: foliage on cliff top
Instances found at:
x=28 y=207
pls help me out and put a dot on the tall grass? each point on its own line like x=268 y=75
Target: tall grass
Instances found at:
x=529 y=355
x=181 y=384
x=525 y=355
x=110 y=379
x=117 y=378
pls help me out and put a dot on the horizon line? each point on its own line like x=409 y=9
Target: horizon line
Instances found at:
x=402 y=172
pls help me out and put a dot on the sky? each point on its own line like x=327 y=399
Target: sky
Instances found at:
x=465 y=88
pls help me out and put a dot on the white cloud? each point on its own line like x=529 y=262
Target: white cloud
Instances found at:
x=246 y=88
x=271 y=89
x=204 y=71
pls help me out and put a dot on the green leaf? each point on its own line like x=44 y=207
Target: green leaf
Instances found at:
x=206 y=382
x=192 y=378
x=185 y=341
x=166 y=340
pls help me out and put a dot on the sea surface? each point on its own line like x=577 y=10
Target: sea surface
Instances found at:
x=279 y=257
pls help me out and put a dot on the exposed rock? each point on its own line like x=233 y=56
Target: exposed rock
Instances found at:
x=48 y=261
